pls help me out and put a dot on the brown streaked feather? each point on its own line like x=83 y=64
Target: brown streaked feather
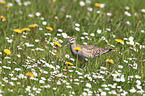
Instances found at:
x=92 y=51
x=87 y=51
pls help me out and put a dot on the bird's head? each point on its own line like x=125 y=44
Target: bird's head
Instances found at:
x=71 y=40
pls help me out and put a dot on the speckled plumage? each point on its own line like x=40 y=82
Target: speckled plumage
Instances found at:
x=87 y=51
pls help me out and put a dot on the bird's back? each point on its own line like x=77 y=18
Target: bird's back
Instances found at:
x=90 y=51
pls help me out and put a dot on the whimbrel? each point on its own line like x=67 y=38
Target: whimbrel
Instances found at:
x=87 y=51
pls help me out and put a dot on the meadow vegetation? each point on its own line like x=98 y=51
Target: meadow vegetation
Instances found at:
x=31 y=34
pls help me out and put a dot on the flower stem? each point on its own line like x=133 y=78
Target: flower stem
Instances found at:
x=142 y=67
x=61 y=59
x=136 y=28
x=77 y=61
x=60 y=56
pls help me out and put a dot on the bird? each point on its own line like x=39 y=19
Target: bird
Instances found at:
x=87 y=51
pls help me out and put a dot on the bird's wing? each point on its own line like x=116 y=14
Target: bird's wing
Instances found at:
x=99 y=51
x=88 y=47
x=92 y=51
x=87 y=51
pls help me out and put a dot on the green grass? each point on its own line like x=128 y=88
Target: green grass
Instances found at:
x=72 y=82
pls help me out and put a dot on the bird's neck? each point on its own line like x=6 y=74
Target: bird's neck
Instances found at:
x=73 y=45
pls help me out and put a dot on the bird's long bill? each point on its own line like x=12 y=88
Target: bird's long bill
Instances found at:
x=65 y=43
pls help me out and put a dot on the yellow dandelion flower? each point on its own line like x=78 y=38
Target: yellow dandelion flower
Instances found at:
x=77 y=48
x=25 y=29
x=65 y=73
x=139 y=21
x=98 y=4
x=49 y=28
x=120 y=41
x=69 y=63
x=56 y=17
x=53 y=0
x=7 y=51
x=57 y=44
x=3 y=18
x=8 y=6
x=33 y=25
x=9 y=90
x=110 y=61
x=29 y=74
x=2 y=2
x=18 y=30
x=69 y=67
